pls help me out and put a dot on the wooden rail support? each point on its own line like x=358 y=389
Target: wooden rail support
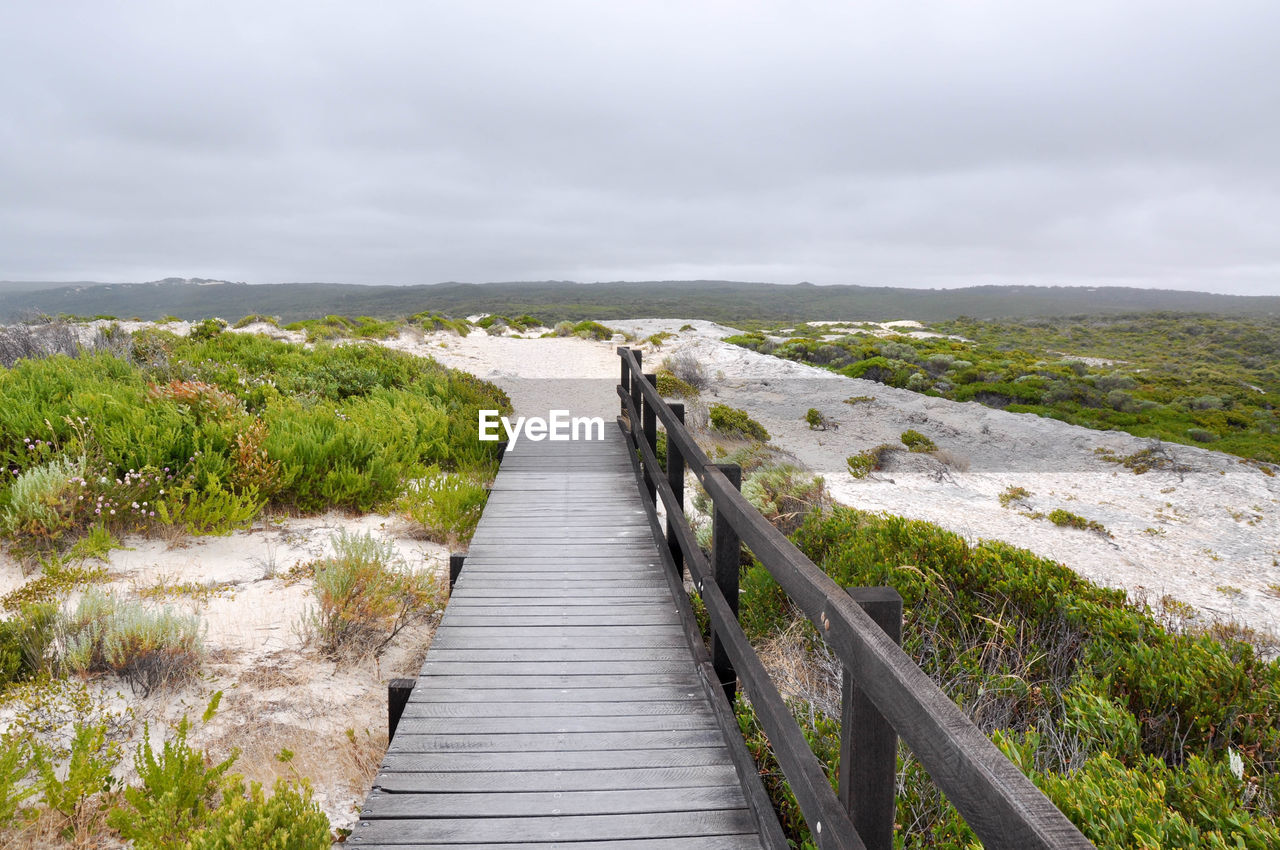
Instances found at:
x=637 y=397
x=726 y=558
x=502 y=450
x=675 y=478
x=649 y=424
x=868 y=743
x=398 y=691
x=455 y=567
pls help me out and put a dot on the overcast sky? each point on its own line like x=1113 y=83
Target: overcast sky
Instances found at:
x=885 y=143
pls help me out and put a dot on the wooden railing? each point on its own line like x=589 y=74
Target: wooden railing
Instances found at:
x=886 y=694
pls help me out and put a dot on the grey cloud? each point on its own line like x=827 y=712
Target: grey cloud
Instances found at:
x=923 y=143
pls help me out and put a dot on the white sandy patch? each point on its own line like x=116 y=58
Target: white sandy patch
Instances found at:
x=277 y=693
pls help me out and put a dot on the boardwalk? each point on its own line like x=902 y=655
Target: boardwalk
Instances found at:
x=561 y=703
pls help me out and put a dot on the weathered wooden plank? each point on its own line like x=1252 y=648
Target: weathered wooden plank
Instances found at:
x=558 y=682
x=641 y=694
x=561 y=742
x=558 y=654
x=562 y=595
x=495 y=726
x=703 y=842
x=602 y=667
x=381 y=804
x=558 y=828
x=575 y=760
x=524 y=640
x=525 y=708
x=559 y=780
x=554 y=618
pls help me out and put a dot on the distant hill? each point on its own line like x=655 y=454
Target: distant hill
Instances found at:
x=724 y=301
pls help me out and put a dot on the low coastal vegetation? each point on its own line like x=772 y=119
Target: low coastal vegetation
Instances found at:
x=112 y=434
x=1144 y=731
x=1181 y=378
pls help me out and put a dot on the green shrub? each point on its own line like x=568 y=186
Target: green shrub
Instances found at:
x=175 y=792
x=25 y=641
x=865 y=462
x=447 y=505
x=688 y=369
x=1013 y=494
x=148 y=649
x=784 y=494
x=669 y=386
x=917 y=442
x=814 y=417
x=207 y=329
x=593 y=330
x=15 y=767
x=254 y=318
x=1200 y=435
x=87 y=791
x=735 y=422
x=1024 y=645
x=287 y=820
x=433 y=321
x=365 y=596
x=42 y=501
x=1062 y=518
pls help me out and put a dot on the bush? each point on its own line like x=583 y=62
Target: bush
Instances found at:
x=1127 y=727
x=1062 y=518
x=15 y=767
x=447 y=505
x=1013 y=495
x=84 y=795
x=366 y=595
x=148 y=649
x=593 y=330
x=207 y=329
x=287 y=820
x=784 y=494
x=176 y=792
x=917 y=442
x=42 y=501
x=688 y=369
x=865 y=462
x=669 y=386
x=1200 y=435
x=735 y=422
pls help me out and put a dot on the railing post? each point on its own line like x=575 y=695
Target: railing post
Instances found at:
x=637 y=399
x=726 y=556
x=675 y=478
x=624 y=380
x=649 y=424
x=398 y=691
x=868 y=743
x=455 y=567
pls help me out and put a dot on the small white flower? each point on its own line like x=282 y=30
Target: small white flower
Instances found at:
x=1236 y=764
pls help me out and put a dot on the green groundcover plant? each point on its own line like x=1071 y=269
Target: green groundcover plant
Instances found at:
x=1143 y=736
x=205 y=433
x=1182 y=378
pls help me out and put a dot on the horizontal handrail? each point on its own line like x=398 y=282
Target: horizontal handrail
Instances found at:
x=998 y=802
x=799 y=764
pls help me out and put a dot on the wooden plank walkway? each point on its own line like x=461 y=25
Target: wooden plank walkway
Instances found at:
x=561 y=703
